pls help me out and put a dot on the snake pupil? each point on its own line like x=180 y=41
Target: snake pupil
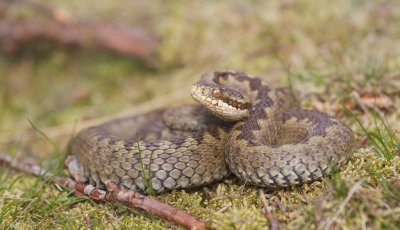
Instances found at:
x=217 y=93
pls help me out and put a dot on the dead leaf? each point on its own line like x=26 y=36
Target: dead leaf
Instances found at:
x=373 y=100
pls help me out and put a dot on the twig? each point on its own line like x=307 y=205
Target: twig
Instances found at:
x=63 y=28
x=88 y=220
x=223 y=209
x=152 y=206
x=118 y=39
x=34 y=169
x=129 y=198
x=350 y=194
x=274 y=223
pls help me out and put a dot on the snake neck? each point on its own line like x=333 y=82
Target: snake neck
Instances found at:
x=265 y=110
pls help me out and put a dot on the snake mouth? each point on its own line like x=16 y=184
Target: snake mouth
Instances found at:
x=227 y=105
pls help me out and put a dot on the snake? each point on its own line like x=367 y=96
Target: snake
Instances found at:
x=241 y=126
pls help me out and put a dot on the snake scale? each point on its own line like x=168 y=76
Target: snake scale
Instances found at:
x=243 y=126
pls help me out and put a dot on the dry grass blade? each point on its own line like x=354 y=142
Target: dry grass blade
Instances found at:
x=274 y=223
x=342 y=205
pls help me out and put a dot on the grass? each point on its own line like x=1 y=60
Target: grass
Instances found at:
x=325 y=50
x=145 y=175
x=25 y=202
x=386 y=145
x=383 y=138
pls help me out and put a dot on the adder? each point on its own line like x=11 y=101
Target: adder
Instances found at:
x=242 y=126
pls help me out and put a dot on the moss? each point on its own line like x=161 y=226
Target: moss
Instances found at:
x=228 y=204
x=240 y=218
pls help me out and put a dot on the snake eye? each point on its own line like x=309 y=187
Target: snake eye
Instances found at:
x=217 y=93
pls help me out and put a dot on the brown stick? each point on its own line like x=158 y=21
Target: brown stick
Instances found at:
x=113 y=194
x=63 y=28
x=152 y=206
x=274 y=223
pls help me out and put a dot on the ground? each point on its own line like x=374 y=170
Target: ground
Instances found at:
x=335 y=54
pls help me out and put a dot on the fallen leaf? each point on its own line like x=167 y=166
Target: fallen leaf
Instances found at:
x=380 y=101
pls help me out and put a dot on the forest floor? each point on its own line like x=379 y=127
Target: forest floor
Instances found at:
x=334 y=54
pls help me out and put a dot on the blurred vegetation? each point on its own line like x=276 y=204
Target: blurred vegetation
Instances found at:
x=326 y=50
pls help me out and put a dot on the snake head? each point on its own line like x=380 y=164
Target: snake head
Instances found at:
x=226 y=103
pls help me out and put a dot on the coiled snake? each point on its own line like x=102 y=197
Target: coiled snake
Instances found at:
x=269 y=145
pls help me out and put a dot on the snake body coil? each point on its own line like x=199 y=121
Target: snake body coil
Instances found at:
x=270 y=145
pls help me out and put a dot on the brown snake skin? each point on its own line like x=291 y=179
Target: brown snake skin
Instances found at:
x=271 y=146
